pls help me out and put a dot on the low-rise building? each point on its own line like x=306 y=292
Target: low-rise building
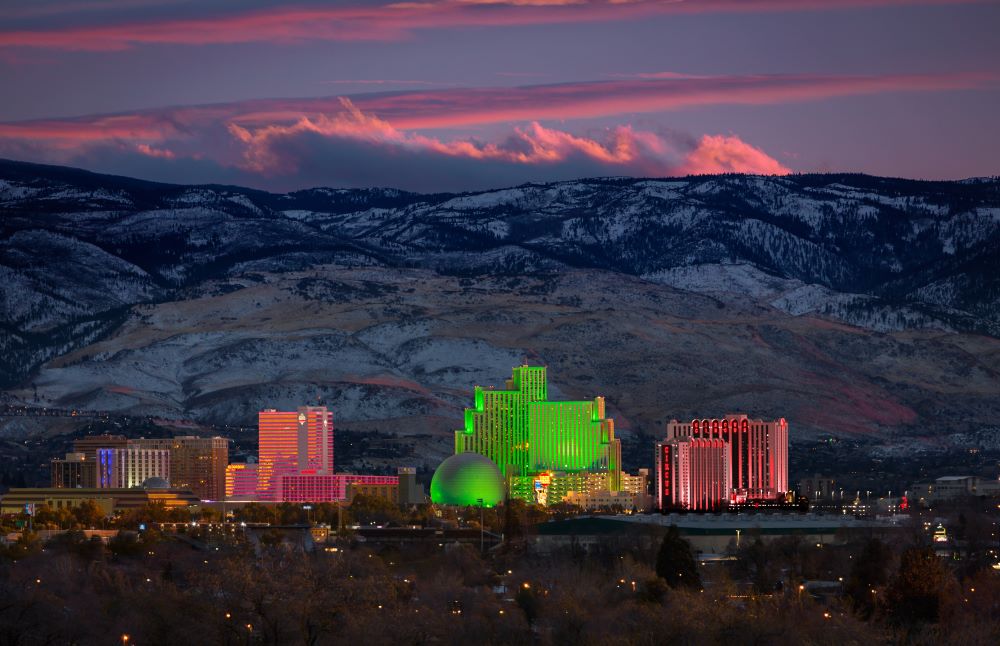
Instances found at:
x=111 y=500
x=952 y=487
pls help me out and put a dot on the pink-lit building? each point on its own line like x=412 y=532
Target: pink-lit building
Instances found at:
x=290 y=442
x=693 y=473
x=295 y=462
x=757 y=462
x=241 y=481
x=314 y=487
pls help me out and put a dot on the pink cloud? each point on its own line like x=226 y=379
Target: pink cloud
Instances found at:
x=160 y=153
x=532 y=144
x=291 y=24
x=722 y=154
x=468 y=106
x=454 y=108
x=637 y=151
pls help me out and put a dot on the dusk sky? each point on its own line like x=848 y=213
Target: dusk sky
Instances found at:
x=467 y=94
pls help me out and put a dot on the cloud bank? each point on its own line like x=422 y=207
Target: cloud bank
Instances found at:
x=420 y=140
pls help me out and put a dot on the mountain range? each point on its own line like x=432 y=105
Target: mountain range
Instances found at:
x=852 y=305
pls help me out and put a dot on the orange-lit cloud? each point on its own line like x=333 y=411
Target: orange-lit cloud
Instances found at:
x=394 y=20
x=721 y=154
x=282 y=137
x=623 y=146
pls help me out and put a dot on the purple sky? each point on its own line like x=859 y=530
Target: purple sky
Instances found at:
x=467 y=94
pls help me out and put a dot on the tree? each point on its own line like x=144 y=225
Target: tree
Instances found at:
x=919 y=587
x=869 y=572
x=88 y=513
x=675 y=563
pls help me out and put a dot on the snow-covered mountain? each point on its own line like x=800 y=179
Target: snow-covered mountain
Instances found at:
x=105 y=279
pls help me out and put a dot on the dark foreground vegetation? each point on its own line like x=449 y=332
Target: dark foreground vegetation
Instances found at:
x=206 y=586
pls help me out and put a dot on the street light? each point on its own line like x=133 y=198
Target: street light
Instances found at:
x=124 y=638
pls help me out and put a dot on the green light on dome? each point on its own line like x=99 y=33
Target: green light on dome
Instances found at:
x=465 y=479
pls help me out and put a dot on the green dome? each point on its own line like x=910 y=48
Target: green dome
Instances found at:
x=464 y=478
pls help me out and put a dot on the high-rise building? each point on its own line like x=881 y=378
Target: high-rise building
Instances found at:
x=758 y=452
x=528 y=437
x=497 y=425
x=130 y=467
x=79 y=468
x=196 y=463
x=73 y=472
x=753 y=454
x=88 y=445
x=293 y=442
x=692 y=474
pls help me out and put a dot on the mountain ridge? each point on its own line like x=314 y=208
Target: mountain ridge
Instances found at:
x=95 y=268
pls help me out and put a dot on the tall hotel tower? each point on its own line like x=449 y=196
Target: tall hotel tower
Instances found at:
x=526 y=436
x=752 y=466
x=293 y=443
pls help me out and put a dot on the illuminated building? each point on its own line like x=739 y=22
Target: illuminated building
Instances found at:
x=293 y=442
x=88 y=445
x=706 y=463
x=110 y=500
x=130 y=467
x=330 y=487
x=65 y=472
x=73 y=472
x=602 y=500
x=196 y=463
x=467 y=479
x=295 y=463
x=693 y=474
x=525 y=435
x=638 y=484
x=241 y=481
x=758 y=452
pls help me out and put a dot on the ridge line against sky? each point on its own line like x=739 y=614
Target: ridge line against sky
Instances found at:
x=176 y=90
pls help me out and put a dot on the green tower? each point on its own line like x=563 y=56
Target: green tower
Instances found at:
x=526 y=435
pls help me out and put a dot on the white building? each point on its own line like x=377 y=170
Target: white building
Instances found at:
x=130 y=467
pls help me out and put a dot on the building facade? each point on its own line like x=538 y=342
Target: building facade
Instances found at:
x=88 y=445
x=130 y=467
x=693 y=474
x=110 y=500
x=532 y=440
x=241 y=481
x=196 y=463
x=330 y=487
x=707 y=463
x=73 y=472
x=758 y=452
x=290 y=442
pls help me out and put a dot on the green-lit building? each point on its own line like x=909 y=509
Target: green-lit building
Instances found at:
x=537 y=443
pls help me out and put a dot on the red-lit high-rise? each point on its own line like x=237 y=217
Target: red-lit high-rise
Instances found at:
x=757 y=460
x=693 y=473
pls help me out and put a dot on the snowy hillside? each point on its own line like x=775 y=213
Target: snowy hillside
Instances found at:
x=106 y=282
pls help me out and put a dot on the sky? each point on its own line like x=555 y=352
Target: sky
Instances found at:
x=456 y=95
